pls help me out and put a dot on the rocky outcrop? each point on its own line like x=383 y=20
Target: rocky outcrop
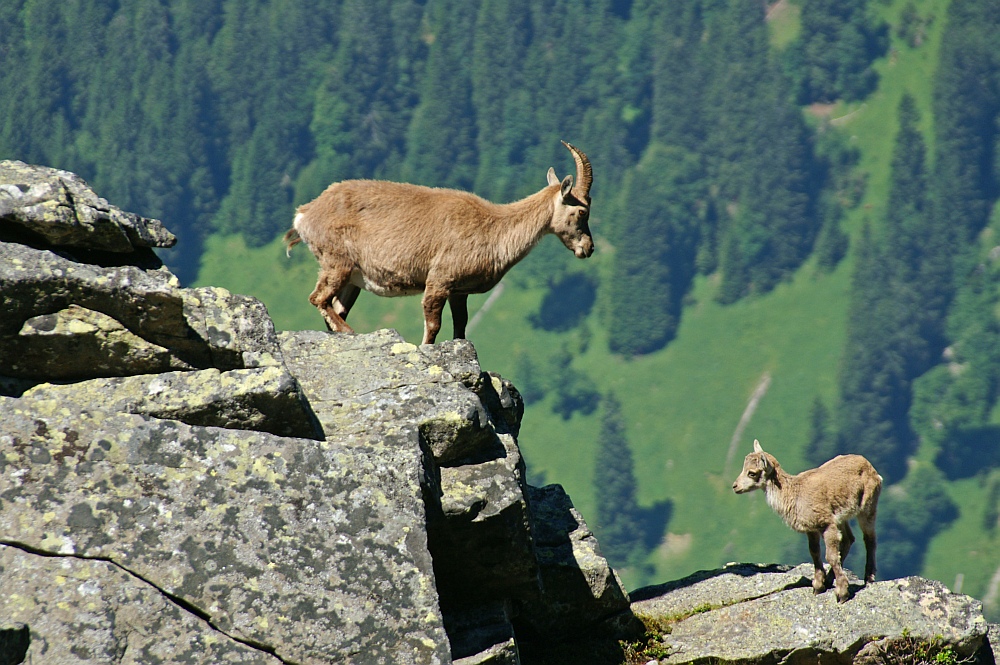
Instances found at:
x=181 y=484
x=60 y=209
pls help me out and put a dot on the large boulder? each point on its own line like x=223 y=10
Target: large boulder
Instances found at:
x=59 y=208
x=314 y=551
x=69 y=320
x=769 y=614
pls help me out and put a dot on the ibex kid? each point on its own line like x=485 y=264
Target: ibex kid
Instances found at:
x=820 y=502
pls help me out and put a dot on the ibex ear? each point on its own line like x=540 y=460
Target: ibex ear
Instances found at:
x=567 y=185
x=552 y=177
x=756 y=446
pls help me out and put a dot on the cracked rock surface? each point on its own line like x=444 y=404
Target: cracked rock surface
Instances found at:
x=309 y=549
x=84 y=610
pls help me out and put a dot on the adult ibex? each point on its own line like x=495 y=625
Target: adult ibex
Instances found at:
x=396 y=239
x=819 y=502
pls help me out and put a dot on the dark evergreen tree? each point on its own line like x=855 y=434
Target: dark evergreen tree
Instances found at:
x=835 y=51
x=908 y=242
x=617 y=526
x=680 y=68
x=873 y=388
x=966 y=106
x=822 y=444
x=654 y=252
x=441 y=140
x=889 y=329
x=503 y=104
x=842 y=188
x=760 y=154
x=572 y=389
x=360 y=114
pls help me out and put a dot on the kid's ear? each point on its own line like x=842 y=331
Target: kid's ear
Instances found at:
x=756 y=446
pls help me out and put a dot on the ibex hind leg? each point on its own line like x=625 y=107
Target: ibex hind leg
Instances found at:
x=846 y=540
x=324 y=298
x=867 y=524
x=346 y=298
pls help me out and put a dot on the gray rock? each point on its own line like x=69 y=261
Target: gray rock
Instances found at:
x=62 y=209
x=502 y=653
x=266 y=399
x=110 y=306
x=482 y=635
x=580 y=592
x=76 y=610
x=484 y=543
x=313 y=550
x=796 y=626
x=479 y=526
x=380 y=378
x=712 y=589
x=77 y=342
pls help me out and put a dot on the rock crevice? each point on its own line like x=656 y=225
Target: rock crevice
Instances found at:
x=175 y=600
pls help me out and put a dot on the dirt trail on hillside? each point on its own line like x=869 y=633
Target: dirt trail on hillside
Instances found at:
x=755 y=398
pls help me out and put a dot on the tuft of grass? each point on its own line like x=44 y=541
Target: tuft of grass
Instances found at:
x=909 y=650
x=640 y=652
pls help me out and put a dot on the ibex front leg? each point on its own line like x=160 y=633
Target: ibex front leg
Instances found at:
x=459 y=313
x=833 y=539
x=433 y=302
x=819 y=575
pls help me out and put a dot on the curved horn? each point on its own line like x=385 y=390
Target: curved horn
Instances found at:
x=584 y=174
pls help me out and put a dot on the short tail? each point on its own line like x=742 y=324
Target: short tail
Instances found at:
x=291 y=240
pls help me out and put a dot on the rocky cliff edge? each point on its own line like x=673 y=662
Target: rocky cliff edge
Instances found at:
x=181 y=484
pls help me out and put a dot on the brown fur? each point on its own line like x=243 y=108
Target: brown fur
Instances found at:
x=820 y=502
x=401 y=239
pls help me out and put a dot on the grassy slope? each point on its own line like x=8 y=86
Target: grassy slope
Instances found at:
x=682 y=404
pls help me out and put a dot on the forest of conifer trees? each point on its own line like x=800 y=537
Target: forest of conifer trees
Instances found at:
x=219 y=116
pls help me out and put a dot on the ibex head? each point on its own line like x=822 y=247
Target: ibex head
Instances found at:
x=758 y=468
x=572 y=208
